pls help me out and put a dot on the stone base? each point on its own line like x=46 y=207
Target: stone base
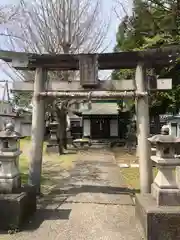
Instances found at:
x=158 y=222
x=165 y=197
x=52 y=149
x=16 y=208
x=10 y=185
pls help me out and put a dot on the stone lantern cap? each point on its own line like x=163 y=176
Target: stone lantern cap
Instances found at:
x=9 y=133
x=159 y=138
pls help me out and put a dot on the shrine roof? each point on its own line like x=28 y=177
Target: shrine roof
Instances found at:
x=72 y=115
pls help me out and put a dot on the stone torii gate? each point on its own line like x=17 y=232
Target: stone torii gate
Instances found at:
x=91 y=87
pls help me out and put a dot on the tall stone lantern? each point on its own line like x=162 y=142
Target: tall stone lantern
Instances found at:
x=164 y=188
x=17 y=201
x=10 y=179
x=159 y=211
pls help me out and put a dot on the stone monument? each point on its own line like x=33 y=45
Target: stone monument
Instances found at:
x=17 y=202
x=159 y=212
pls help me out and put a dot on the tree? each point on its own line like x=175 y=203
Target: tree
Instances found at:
x=152 y=24
x=58 y=26
x=8 y=14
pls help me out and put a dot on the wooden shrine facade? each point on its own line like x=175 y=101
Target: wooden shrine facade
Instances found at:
x=101 y=127
x=101 y=121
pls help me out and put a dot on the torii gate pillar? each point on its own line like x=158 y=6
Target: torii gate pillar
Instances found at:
x=37 y=134
x=142 y=113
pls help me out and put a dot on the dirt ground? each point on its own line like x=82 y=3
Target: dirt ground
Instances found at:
x=53 y=166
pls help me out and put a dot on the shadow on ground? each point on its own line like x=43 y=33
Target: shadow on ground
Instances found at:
x=85 y=177
x=45 y=214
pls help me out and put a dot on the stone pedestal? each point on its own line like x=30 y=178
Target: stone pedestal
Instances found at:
x=52 y=145
x=164 y=188
x=165 y=197
x=16 y=208
x=158 y=222
x=159 y=212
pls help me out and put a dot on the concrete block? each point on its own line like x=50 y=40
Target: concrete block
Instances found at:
x=9 y=185
x=16 y=208
x=166 y=197
x=158 y=222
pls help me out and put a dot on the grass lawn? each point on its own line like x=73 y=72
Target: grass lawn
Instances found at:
x=131 y=177
x=122 y=156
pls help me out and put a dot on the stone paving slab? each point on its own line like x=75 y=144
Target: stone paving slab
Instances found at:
x=101 y=198
x=85 y=222
x=92 y=203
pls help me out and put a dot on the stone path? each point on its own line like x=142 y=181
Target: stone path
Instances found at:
x=91 y=202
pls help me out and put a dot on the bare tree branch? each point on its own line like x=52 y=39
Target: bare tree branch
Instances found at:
x=120 y=9
x=58 y=26
x=8 y=17
x=8 y=13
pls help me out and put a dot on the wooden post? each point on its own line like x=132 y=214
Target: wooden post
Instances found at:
x=38 y=125
x=142 y=108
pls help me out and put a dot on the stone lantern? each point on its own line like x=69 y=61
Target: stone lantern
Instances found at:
x=164 y=188
x=10 y=179
x=17 y=202
x=159 y=211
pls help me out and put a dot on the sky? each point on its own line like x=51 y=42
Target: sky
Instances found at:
x=110 y=41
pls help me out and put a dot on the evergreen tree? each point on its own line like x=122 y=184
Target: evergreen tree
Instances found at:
x=153 y=24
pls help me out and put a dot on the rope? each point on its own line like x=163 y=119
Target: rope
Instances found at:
x=95 y=94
